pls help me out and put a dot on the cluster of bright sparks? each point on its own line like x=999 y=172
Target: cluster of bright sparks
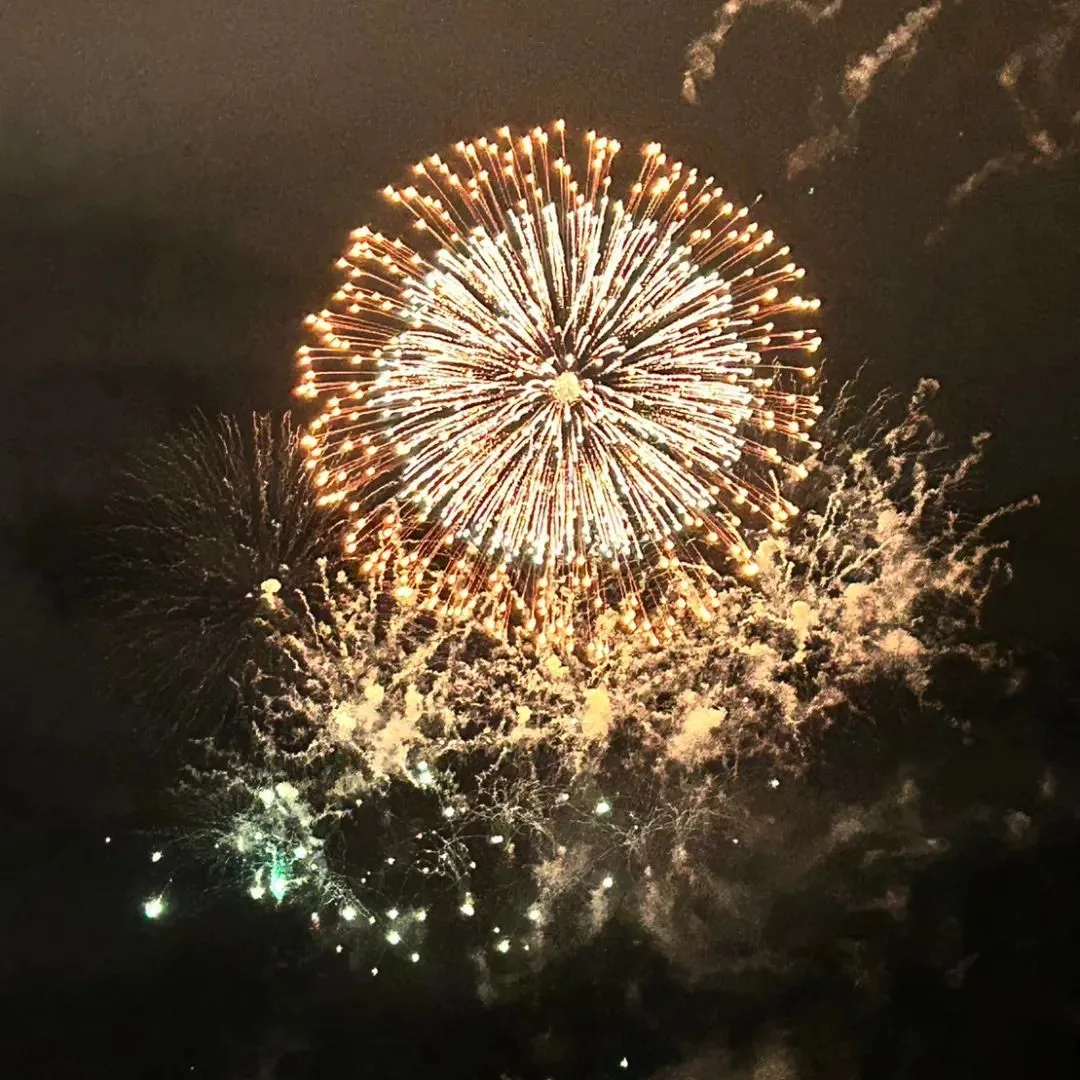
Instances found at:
x=548 y=413
x=274 y=848
x=525 y=801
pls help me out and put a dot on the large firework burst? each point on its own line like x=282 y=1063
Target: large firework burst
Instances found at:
x=560 y=401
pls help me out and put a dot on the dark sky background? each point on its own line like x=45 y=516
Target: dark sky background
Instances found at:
x=175 y=179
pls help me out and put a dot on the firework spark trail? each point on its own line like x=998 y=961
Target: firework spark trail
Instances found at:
x=557 y=408
x=542 y=794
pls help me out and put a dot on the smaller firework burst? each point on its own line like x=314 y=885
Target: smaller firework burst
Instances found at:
x=215 y=528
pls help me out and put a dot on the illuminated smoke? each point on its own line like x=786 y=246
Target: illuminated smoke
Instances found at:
x=425 y=768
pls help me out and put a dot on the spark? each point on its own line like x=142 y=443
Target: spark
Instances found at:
x=154 y=907
x=279 y=884
x=562 y=400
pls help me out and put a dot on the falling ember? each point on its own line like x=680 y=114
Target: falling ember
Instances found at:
x=561 y=400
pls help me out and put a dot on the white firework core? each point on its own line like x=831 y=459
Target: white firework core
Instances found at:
x=568 y=388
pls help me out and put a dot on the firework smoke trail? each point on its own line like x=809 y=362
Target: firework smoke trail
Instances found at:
x=896 y=49
x=1030 y=68
x=1036 y=78
x=442 y=771
x=209 y=525
x=702 y=52
x=564 y=400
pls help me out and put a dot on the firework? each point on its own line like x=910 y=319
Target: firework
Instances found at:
x=451 y=788
x=585 y=785
x=556 y=407
x=216 y=527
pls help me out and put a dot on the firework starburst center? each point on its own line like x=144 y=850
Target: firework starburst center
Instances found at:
x=566 y=388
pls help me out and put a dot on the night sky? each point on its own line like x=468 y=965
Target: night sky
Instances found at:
x=175 y=181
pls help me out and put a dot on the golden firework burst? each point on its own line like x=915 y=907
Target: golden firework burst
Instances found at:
x=551 y=409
